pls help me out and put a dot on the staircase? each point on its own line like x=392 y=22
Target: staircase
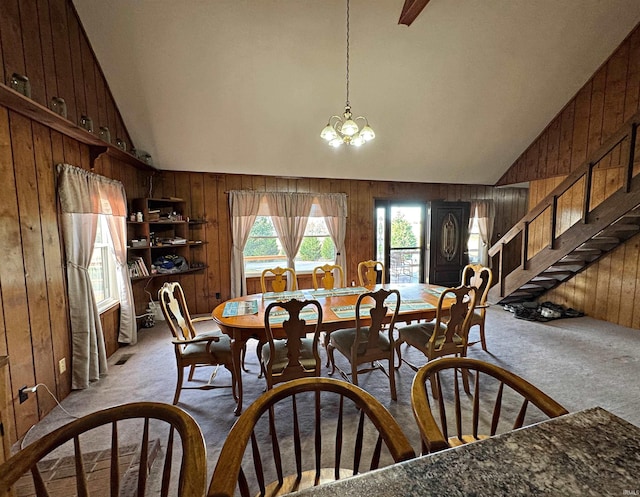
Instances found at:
x=598 y=227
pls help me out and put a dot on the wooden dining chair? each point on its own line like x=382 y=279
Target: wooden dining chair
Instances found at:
x=278 y=277
x=371 y=340
x=480 y=277
x=126 y=468
x=303 y=433
x=193 y=349
x=499 y=403
x=447 y=333
x=327 y=280
x=368 y=273
x=295 y=356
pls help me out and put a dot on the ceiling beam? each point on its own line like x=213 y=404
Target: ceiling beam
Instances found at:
x=410 y=10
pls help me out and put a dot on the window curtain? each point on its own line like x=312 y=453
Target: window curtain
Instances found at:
x=244 y=207
x=290 y=214
x=485 y=213
x=83 y=197
x=334 y=210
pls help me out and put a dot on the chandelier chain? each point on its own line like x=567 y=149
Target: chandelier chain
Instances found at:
x=348 y=53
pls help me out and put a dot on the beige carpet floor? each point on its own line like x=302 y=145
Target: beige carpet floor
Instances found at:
x=581 y=362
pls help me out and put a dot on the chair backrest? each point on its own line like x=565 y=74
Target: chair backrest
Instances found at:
x=375 y=319
x=176 y=431
x=498 y=404
x=451 y=329
x=279 y=281
x=176 y=313
x=339 y=425
x=368 y=272
x=327 y=281
x=480 y=277
x=294 y=324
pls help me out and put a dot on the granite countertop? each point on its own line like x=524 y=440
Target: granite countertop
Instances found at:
x=588 y=453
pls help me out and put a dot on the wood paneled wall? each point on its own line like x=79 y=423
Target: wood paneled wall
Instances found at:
x=606 y=101
x=608 y=289
x=43 y=39
x=206 y=196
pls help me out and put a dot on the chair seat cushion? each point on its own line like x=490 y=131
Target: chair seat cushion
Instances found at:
x=343 y=340
x=418 y=335
x=197 y=352
x=307 y=359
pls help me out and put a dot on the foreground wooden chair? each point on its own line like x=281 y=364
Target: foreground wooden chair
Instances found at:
x=295 y=356
x=303 y=433
x=327 y=280
x=480 y=277
x=368 y=273
x=499 y=403
x=368 y=344
x=181 y=439
x=192 y=350
x=278 y=277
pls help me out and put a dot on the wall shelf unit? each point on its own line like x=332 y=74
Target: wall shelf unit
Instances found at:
x=163 y=234
x=39 y=113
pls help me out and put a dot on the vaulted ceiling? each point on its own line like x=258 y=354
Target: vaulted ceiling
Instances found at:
x=246 y=86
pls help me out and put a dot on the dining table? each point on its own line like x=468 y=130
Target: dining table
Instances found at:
x=587 y=453
x=242 y=318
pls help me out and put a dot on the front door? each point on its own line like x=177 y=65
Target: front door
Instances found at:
x=448 y=234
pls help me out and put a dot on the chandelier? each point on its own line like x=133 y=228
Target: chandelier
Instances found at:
x=345 y=128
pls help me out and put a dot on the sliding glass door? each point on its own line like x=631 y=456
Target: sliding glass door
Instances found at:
x=400 y=240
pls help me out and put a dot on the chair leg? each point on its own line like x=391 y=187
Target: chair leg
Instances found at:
x=326 y=347
x=259 y=354
x=330 y=359
x=397 y=352
x=191 y=371
x=392 y=378
x=243 y=356
x=176 y=396
x=483 y=341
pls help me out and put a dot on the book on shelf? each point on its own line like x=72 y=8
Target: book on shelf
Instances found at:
x=137 y=267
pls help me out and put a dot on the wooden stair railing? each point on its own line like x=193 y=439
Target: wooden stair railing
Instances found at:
x=599 y=230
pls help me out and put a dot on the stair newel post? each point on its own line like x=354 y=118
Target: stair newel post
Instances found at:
x=632 y=147
x=588 y=177
x=525 y=245
x=554 y=221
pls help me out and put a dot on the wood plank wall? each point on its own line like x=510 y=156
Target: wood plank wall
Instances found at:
x=607 y=100
x=206 y=196
x=43 y=39
x=608 y=289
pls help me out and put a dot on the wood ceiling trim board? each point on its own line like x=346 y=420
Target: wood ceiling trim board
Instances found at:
x=410 y=10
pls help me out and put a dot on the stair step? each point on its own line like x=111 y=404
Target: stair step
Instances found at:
x=623 y=227
x=585 y=253
x=605 y=240
x=535 y=287
x=565 y=263
x=523 y=293
x=558 y=273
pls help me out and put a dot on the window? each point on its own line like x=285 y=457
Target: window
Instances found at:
x=475 y=242
x=102 y=270
x=264 y=250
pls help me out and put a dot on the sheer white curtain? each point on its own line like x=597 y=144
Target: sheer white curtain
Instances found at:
x=334 y=210
x=114 y=194
x=290 y=214
x=83 y=197
x=485 y=213
x=244 y=207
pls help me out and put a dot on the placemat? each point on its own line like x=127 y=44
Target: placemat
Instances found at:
x=241 y=308
x=279 y=316
x=282 y=296
x=337 y=292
